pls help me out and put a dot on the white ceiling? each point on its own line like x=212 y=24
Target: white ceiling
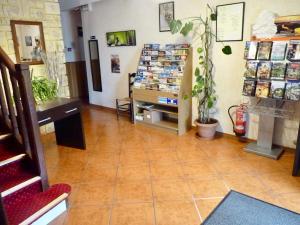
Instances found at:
x=71 y=4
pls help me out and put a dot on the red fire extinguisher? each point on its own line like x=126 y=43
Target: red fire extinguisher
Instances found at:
x=239 y=126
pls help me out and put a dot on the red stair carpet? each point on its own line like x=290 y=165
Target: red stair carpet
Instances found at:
x=24 y=200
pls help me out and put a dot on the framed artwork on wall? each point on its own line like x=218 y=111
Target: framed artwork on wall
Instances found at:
x=230 y=22
x=121 y=38
x=166 y=15
x=115 y=63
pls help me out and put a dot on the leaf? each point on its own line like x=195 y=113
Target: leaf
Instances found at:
x=227 y=50
x=210 y=103
x=199 y=50
x=175 y=26
x=213 y=16
x=197 y=72
x=185 y=97
x=187 y=28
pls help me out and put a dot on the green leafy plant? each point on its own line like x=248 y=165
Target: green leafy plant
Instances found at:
x=203 y=89
x=43 y=89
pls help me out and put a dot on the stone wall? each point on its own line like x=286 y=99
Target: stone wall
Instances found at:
x=46 y=11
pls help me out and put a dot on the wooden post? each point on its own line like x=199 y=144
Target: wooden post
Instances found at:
x=3 y=218
x=296 y=169
x=37 y=151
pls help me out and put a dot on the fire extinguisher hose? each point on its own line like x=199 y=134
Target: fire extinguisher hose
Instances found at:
x=233 y=106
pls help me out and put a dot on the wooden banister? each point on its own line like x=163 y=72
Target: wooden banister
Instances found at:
x=19 y=113
x=36 y=147
x=4 y=58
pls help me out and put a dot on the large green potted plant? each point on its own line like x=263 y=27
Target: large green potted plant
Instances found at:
x=204 y=86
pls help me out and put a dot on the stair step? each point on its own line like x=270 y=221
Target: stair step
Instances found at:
x=9 y=151
x=11 y=159
x=30 y=209
x=17 y=183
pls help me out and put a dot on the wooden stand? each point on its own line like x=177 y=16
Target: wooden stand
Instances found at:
x=175 y=118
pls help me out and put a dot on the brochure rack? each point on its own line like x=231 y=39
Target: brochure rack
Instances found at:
x=269 y=109
x=162 y=85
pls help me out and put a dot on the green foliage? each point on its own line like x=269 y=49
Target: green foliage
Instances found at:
x=213 y=17
x=175 y=26
x=227 y=50
x=203 y=89
x=187 y=28
x=43 y=89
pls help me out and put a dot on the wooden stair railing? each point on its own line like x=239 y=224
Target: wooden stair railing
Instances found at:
x=18 y=113
x=18 y=110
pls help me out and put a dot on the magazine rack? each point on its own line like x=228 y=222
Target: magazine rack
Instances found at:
x=165 y=109
x=270 y=106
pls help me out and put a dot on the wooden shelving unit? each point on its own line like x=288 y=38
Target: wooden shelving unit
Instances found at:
x=173 y=117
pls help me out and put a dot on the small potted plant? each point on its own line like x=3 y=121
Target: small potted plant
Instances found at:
x=204 y=86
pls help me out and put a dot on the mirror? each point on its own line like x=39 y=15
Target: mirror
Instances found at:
x=28 y=38
x=95 y=65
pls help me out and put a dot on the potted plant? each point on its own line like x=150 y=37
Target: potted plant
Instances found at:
x=204 y=87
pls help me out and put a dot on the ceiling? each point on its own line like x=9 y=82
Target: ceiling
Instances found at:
x=71 y=4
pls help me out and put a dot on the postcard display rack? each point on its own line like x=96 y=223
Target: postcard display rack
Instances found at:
x=164 y=77
x=272 y=81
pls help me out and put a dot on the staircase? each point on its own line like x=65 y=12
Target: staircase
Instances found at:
x=26 y=197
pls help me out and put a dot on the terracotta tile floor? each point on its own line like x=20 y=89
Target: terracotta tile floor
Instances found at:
x=135 y=175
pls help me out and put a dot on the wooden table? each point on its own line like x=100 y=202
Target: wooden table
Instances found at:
x=66 y=115
x=296 y=169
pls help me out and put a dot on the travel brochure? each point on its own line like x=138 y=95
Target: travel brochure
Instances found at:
x=277 y=89
x=264 y=70
x=268 y=74
x=161 y=67
x=264 y=50
x=275 y=51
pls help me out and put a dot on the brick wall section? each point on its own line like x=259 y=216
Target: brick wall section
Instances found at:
x=46 y=11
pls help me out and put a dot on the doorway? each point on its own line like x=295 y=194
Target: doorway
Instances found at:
x=74 y=52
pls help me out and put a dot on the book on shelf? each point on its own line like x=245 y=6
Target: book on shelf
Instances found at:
x=278 y=71
x=264 y=70
x=293 y=71
x=292 y=90
x=278 y=51
x=264 y=50
x=250 y=50
x=249 y=87
x=277 y=89
x=251 y=68
x=262 y=89
x=294 y=50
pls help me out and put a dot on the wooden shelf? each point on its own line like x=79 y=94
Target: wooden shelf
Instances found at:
x=279 y=38
x=162 y=108
x=162 y=124
x=175 y=118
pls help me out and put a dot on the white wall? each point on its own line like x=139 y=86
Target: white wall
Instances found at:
x=70 y=20
x=115 y=15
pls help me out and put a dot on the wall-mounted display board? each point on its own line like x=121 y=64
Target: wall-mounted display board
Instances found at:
x=272 y=79
x=230 y=22
x=164 y=77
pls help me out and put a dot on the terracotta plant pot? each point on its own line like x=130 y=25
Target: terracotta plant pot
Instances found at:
x=207 y=130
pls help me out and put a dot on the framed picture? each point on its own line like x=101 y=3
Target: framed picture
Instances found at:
x=166 y=15
x=121 y=38
x=115 y=63
x=28 y=39
x=230 y=22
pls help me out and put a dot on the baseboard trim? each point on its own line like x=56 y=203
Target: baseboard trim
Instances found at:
x=104 y=108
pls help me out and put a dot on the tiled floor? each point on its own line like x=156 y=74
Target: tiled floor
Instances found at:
x=134 y=175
